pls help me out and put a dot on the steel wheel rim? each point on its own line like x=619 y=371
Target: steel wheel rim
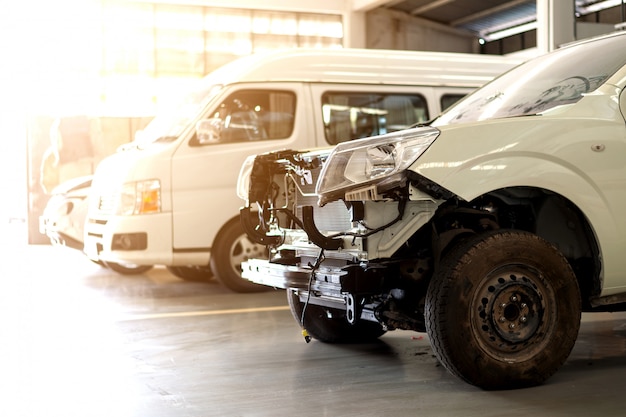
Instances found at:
x=513 y=313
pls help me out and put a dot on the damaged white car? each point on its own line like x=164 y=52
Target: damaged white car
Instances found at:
x=491 y=229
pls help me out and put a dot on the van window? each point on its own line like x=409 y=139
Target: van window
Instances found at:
x=449 y=99
x=354 y=115
x=252 y=115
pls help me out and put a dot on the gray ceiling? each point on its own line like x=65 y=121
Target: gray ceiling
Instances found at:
x=481 y=16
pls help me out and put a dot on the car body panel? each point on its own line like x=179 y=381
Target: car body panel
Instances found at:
x=580 y=158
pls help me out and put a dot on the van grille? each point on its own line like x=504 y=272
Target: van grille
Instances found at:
x=106 y=204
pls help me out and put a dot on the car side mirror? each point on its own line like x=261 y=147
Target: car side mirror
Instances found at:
x=208 y=131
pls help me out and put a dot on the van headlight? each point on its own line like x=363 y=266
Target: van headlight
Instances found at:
x=141 y=197
x=368 y=166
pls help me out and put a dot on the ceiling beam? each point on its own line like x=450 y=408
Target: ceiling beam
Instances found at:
x=430 y=6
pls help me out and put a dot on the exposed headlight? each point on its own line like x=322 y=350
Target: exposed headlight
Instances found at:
x=243 y=181
x=372 y=161
x=143 y=197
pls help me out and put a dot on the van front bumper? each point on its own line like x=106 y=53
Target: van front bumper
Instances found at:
x=140 y=240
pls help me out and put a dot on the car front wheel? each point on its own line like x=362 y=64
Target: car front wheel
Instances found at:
x=127 y=269
x=330 y=326
x=503 y=310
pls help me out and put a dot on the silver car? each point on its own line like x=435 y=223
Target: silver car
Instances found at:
x=63 y=219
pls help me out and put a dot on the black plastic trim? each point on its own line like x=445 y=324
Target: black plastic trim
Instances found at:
x=314 y=234
x=253 y=233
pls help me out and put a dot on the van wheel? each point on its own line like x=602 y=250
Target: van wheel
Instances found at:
x=503 y=310
x=230 y=249
x=98 y=262
x=191 y=273
x=329 y=328
x=127 y=269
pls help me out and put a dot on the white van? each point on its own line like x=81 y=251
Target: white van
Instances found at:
x=169 y=197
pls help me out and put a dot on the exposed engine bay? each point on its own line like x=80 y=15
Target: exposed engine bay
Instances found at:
x=333 y=269
x=395 y=255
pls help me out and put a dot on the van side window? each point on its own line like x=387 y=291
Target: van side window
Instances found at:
x=353 y=115
x=249 y=115
x=449 y=99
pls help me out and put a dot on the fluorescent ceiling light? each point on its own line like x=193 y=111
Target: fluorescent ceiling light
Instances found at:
x=505 y=33
x=516 y=30
x=596 y=7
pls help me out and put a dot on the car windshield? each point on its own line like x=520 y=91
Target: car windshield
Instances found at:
x=546 y=82
x=168 y=125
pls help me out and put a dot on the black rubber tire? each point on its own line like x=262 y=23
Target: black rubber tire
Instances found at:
x=334 y=329
x=230 y=249
x=503 y=310
x=191 y=273
x=127 y=269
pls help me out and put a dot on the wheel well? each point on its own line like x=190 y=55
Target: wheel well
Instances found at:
x=542 y=212
x=227 y=225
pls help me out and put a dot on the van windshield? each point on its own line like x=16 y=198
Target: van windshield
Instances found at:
x=169 y=125
x=552 y=80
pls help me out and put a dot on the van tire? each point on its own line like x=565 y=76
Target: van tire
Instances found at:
x=191 y=273
x=503 y=310
x=230 y=249
x=333 y=328
x=127 y=269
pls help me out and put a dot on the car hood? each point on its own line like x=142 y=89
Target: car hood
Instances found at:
x=540 y=150
x=73 y=184
x=133 y=165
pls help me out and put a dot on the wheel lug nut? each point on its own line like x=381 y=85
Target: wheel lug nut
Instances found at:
x=511 y=326
x=523 y=319
x=503 y=305
x=502 y=319
x=523 y=305
x=514 y=298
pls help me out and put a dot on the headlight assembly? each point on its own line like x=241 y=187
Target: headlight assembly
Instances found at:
x=143 y=197
x=372 y=162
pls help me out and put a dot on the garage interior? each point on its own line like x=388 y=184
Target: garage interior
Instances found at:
x=81 y=340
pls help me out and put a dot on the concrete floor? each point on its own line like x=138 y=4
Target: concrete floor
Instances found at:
x=78 y=340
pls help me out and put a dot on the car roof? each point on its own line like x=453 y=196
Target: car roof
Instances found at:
x=350 y=65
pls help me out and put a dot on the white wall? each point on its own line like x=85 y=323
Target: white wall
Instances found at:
x=389 y=29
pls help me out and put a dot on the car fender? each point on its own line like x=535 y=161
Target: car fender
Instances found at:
x=579 y=159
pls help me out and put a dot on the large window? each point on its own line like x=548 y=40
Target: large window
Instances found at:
x=178 y=40
x=251 y=115
x=449 y=99
x=121 y=57
x=349 y=116
x=153 y=51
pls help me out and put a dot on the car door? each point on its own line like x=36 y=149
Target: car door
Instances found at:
x=254 y=119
